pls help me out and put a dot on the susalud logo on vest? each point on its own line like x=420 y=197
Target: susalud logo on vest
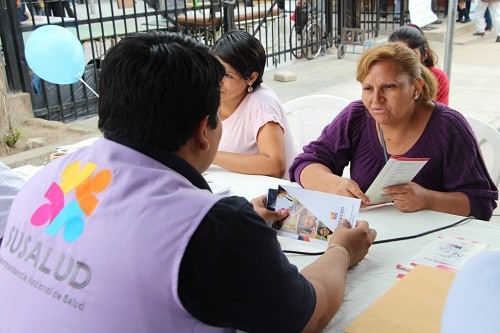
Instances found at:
x=60 y=217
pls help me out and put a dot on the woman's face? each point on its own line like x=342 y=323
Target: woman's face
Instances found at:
x=388 y=94
x=309 y=222
x=233 y=85
x=324 y=232
x=419 y=54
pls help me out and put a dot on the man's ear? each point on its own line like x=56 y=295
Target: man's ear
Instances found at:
x=201 y=134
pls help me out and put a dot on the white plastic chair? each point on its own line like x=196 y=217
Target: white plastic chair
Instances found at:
x=311 y=114
x=486 y=133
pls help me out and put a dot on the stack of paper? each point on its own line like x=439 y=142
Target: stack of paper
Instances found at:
x=76 y=146
x=220 y=189
x=27 y=171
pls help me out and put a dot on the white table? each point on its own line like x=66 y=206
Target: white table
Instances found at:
x=377 y=272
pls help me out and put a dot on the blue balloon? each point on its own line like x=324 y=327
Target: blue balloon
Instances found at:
x=55 y=54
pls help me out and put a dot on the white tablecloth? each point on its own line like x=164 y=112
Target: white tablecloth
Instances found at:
x=377 y=272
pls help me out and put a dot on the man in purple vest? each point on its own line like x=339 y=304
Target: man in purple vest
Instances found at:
x=126 y=236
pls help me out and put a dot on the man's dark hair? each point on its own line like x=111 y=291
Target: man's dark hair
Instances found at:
x=243 y=52
x=156 y=87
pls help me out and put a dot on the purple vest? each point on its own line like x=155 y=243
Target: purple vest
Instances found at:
x=94 y=243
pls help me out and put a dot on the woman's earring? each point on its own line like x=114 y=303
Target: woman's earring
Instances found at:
x=250 y=88
x=416 y=96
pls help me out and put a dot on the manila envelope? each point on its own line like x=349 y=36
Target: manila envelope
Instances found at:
x=414 y=304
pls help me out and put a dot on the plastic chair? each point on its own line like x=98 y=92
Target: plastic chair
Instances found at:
x=312 y=113
x=486 y=133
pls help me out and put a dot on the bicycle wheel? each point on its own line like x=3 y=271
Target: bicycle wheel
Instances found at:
x=312 y=36
x=295 y=43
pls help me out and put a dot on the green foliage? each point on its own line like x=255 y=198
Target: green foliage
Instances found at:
x=12 y=137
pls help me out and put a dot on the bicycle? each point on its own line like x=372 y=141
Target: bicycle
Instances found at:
x=307 y=33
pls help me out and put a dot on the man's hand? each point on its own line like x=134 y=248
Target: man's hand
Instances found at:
x=356 y=240
x=259 y=205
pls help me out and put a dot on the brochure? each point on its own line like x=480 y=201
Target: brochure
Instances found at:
x=446 y=252
x=398 y=170
x=313 y=215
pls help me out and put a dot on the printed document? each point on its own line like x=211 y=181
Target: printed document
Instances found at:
x=446 y=252
x=398 y=170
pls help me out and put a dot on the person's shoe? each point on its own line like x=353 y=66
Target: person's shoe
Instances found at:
x=396 y=20
x=488 y=28
x=465 y=20
x=459 y=20
x=478 y=34
x=438 y=22
x=498 y=39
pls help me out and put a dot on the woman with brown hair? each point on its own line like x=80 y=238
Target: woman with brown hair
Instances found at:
x=398 y=116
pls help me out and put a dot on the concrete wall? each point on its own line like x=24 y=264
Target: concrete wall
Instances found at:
x=20 y=108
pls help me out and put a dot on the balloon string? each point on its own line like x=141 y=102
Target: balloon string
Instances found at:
x=85 y=83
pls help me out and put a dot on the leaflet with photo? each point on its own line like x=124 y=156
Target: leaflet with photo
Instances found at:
x=398 y=170
x=313 y=215
x=446 y=252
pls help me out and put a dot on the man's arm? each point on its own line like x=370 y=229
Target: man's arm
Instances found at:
x=234 y=261
x=328 y=273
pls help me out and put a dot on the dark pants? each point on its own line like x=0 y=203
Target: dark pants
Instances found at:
x=56 y=8
x=463 y=14
x=487 y=17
